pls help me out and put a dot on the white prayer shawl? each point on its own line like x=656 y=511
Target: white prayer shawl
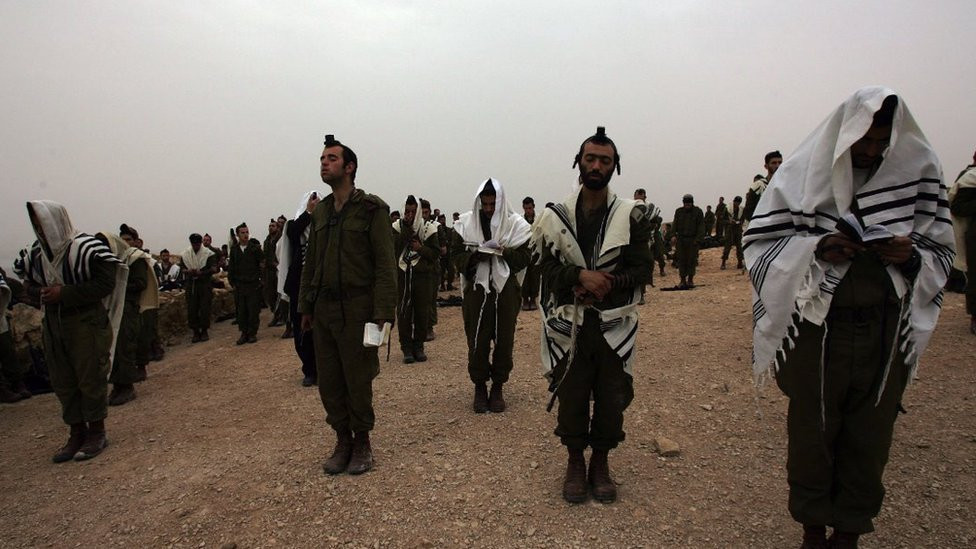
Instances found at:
x=509 y=229
x=63 y=255
x=423 y=229
x=555 y=229
x=960 y=224
x=758 y=186
x=736 y=216
x=5 y=296
x=149 y=297
x=811 y=190
x=195 y=260
x=283 y=249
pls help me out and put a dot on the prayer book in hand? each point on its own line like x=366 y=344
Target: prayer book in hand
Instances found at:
x=851 y=227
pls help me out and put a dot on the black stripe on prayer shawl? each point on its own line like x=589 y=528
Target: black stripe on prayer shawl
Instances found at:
x=563 y=215
x=794 y=213
x=608 y=263
x=758 y=310
x=938 y=299
x=758 y=272
x=889 y=205
x=626 y=356
x=612 y=323
x=898 y=187
x=629 y=338
x=943 y=254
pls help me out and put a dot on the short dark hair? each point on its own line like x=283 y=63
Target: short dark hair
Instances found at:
x=599 y=138
x=640 y=191
x=886 y=114
x=127 y=230
x=770 y=155
x=238 y=228
x=165 y=251
x=347 y=154
x=528 y=200
x=424 y=204
x=196 y=238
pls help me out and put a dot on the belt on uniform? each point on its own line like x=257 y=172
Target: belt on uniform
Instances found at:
x=344 y=294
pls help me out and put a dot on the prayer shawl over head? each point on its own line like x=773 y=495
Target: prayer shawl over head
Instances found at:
x=283 y=249
x=423 y=229
x=5 y=296
x=555 y=229
x=63 y=255
x=149 y=297
x=811 y=191
x=508 y=230
x=966 y=180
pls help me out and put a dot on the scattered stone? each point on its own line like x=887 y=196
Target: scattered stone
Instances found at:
x=706 y=407
x=666 y=447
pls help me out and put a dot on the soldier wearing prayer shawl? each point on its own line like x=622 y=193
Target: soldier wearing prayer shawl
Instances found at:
x=417 y=249
x=200 y=263
x=771 y=162
x=962 y=200
x=491 y=251
x=594 y=256
x=82 y=285
x=840 y=318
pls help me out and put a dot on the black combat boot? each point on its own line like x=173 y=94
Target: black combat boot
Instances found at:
x=243 y=339
x=723 y=265
x=21 y=390
x=408 y=357
x=602 y=486
x=418 y=352
x=480 y=404
x=8 y=396
x=70 y=448
x=842 y=540
x=814 y=537
x=121 y=393
x=339 y=460
x=204 y=336
x=141 y=374
x=95 y=441
x=362 y=454
x=496 y=400
x=574 y=486
x=196 y=336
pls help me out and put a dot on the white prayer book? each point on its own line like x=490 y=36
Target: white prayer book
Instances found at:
x=850 y=226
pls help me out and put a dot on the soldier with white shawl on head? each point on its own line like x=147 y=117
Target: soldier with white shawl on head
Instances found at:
x=848 y=251
x=594 y=256
x=200 y=263
x=417 y=249
x=491 y=251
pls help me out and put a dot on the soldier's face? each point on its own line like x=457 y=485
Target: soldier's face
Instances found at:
x=528 y=210
x=773 y=165
x=207 y=240
x=333 y=168
x=426 y=213
x=488 y=204
x=409 y=213
x=128 y=240
x=243 y=235
x=164 y=257
x=867 y=151
x=596 y=165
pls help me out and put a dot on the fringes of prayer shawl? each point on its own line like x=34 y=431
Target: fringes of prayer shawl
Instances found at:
x=555 y=229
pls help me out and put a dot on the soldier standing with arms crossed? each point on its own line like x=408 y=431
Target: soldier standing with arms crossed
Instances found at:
x=349 y=279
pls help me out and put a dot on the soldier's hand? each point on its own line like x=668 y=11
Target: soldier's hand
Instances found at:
x=306 y=323
x=895 y=251
x=836 y=248
x=597 y=283
x=51 y=294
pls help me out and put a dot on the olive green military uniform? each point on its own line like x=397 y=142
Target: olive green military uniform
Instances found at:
x=148 y=333
x=414 y=287
x=530 y=284
x=964 y=205
x=199 y=294
x=77 y=339
x=834 y=468
x=733 y=233
x=435 y=280
x=492 y=315
x=447 y=264
x=709 y=222
x=244 y=274
x=689 y=229
x=270 y=275
x=127 y=341
x=349 y=279
x=721 y=219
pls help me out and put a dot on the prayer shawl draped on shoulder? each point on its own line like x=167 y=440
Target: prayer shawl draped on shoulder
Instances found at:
x=283 y=249
x=966 y=180
x=423 y=229
x=149 y=298
x=508 y=229
x=66 y=256
x=196 y=260
x=810 y=192
x=555 y=229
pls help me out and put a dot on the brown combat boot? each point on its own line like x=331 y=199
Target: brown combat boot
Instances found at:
x=70 y=448
x=121 y=393
x=602 y=486
x=842 y=540
x=95 y=441
x=574 y=487
x=480 y=404
x=814 y=537
x=362 y=454
x=496 y=401
x=339 y=460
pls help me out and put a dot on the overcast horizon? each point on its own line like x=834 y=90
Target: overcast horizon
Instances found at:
x=185 y=117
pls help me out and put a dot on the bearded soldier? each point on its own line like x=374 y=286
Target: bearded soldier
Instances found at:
x=594 y=256
x=491 y=252
x=848 y=254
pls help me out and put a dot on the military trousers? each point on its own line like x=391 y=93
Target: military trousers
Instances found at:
x=76 y=350
x=597 y=373
x=304 y=341
x=199 y=300
x=248 y=299
x=530 y=284
x=687 y=256
x=126 y=345
x=733 y=239
x=491 y=318
x=12 y=370
x=835 y=463
x=413 y=312
x=346 y=368
x=148 y=333
x=434 y=288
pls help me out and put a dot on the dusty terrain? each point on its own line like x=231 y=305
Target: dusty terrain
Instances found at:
x=223 y=445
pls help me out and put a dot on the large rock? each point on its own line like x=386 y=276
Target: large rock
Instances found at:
x=25 y=324
x=666 y=447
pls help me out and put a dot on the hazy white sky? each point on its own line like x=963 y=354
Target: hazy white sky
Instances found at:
x=179 y=117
